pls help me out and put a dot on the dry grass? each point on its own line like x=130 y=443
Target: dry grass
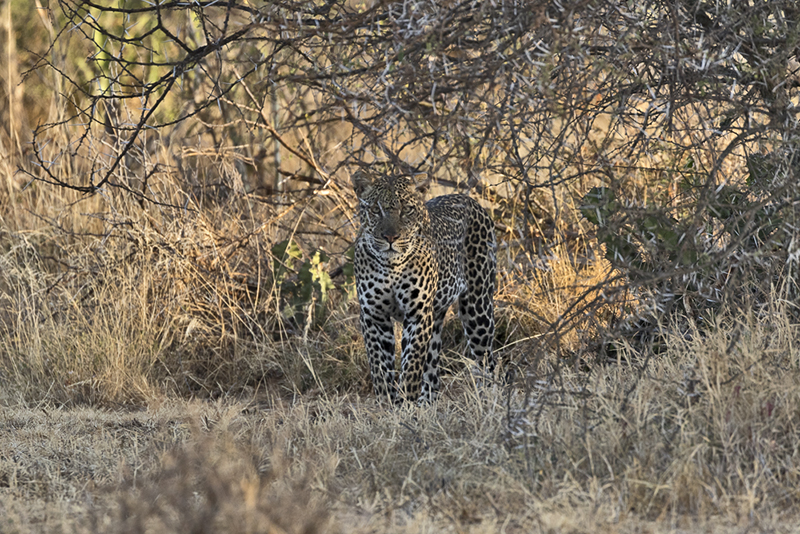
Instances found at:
x=153 y=379
x=132 y=332
x=702 y=437
x=705 y=439
x=709 y=427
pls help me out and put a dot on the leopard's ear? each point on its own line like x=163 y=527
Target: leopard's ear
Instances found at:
x=361 y=182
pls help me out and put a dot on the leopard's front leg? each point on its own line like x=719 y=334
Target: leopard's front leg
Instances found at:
x=379 y=341
x=377 y=307
x=415 y=299
x=417 y=330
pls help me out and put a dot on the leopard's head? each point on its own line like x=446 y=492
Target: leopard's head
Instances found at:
x=391 y=211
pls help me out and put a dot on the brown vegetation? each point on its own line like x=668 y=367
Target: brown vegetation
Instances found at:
x=708 y=441
x=179 y=345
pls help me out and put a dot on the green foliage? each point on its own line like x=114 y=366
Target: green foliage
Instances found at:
x=648 y=239
x=284 y=254
x=598 y=205
x=628 y=234
x=301 y=284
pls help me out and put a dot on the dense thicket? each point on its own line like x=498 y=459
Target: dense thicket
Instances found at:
x=656 y=137
x=176 y=220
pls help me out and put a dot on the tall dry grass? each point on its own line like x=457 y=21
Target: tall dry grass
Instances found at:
x=708 y=427
x=703 y=439
x=108 y=300
x=175 y=309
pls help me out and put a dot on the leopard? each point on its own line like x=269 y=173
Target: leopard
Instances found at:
x=412 y=261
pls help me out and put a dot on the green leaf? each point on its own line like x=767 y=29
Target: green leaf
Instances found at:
x=598 y=205
x=620 y=251
x=663 y=229
x=283 y=254
x=319 y=276
x=728 y=201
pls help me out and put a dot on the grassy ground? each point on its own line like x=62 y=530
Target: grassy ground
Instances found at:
x=705 y=439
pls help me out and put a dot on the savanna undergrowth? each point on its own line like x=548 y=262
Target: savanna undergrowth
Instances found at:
x=703 y=437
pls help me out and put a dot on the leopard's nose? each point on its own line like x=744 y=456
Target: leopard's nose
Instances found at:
x=390 y=237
